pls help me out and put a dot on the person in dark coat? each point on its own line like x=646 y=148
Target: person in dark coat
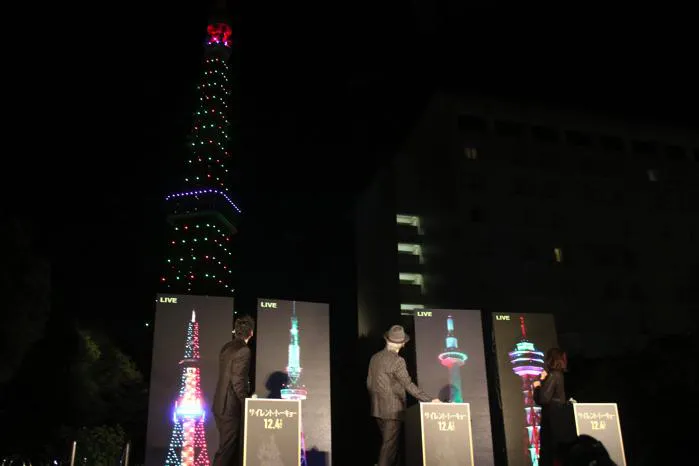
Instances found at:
x=387 y=382
x=231 y=391
x=557 y=423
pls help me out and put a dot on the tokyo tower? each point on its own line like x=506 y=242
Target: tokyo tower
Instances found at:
x=188 y=438
x=453 y=359
x=201 y=214
x=528 y=363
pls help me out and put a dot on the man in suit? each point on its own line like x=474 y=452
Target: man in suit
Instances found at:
x=231 y=391
x=388 y=380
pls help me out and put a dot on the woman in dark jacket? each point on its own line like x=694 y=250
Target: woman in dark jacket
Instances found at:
x=557 y=423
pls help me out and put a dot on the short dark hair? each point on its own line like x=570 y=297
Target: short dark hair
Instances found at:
x=244 y=325
x=556 y=360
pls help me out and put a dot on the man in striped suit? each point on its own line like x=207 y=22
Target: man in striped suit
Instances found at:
x=387 y=382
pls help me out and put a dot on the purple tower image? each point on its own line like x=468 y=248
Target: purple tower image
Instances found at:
x=528 y=363
x=453 y=359
x=293 y=390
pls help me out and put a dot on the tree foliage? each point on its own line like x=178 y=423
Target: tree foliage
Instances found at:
x=99 y=445
x=84 y=387
x=25 y=288
x=107 y=385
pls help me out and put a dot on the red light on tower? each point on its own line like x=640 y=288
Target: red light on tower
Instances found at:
x=219 y=33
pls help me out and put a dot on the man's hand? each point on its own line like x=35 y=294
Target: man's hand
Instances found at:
x=536 y=384
x=436 y=400
x=543 y=375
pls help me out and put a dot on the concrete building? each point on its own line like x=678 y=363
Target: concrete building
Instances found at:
x=512 y=208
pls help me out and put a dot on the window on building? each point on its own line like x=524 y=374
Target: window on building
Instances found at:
x=410 y=248
x=471 y=153
x=558 y=254
x=411 y=307
x=558 y=221
x=611 y=291
x=477 y=215
x=652 y=175
x=629 y=259
x=410 y=279
x=510 y=129
x=409 y=220
x=545 y=134
x=675 y=153
x=644 y=147
x=611 y=143
x=472 y=124
x=576 y=138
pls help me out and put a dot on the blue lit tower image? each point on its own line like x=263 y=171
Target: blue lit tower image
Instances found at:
x=293 y=389
x=453 y=359
x=528 y=363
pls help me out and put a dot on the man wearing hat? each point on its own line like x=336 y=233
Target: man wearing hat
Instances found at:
x=388 y=380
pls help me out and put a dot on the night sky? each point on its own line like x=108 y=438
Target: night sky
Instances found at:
x=326 y=94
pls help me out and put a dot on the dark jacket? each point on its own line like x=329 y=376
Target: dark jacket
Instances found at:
x=387 y=382
x=233 y=387
x=557 y=422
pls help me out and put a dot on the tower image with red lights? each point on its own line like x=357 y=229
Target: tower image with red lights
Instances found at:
x=453 y=359
x=528 y=363
x=202 y=214
x=188 y=445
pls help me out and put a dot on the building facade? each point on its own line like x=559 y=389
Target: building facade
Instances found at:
x=512 y=208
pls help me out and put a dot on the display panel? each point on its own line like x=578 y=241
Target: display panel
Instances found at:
x=189 y=334
x=272 y=432
x=601 y=421
x=521 y=341
x=293 y=363
x=447 y=435
x=450 y=361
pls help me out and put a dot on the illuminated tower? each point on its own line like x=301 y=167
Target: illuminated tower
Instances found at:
x=453 y=359
x=294 y=390
x=202 y=216
x=188 y=438
x=528 y=363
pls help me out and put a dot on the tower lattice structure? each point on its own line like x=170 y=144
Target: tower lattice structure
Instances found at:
x=188 y=446
x=528 y=363
x=202 y=215
x=453 y=359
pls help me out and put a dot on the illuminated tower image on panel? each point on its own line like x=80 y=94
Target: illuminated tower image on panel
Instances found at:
x=528 y=363
x=188 y=438
x=201 y=214
x=453 y=359
x=293 y=390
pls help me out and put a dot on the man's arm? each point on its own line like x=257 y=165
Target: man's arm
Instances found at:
x=240 y=369
x=401 y=373
x=543 y=392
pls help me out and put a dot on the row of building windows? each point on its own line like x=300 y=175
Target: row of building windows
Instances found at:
x=471 y=153
x=610 y=255
x=413 y=250
x=549 y=135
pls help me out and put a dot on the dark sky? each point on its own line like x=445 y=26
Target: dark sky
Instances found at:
x=326 y=92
